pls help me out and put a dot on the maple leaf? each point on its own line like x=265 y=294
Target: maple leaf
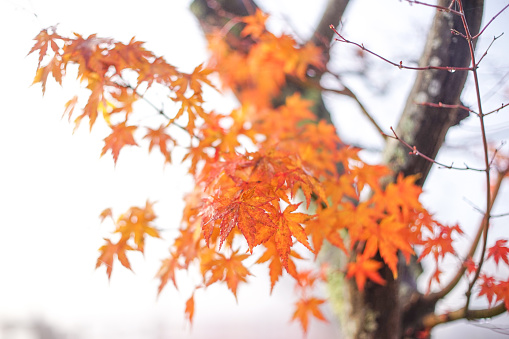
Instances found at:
x=54 y=67
x=502 y=292
x=288 y=225
x=435 y=277
x=192 y=106
x=470 y=265
x=255 y=24
x=193 y=81
x=125 y=99
x=189 y=311
x=95 y=100
x=45 y=39
x=133 y=55
x=69 y=107
x=387 y=238
x=487 y=287
x=401 y=198
x=230 y=270
x=499 y=251
x=158 y=137
x=276 y=266
x=136 y=223
x=246 y=210
x=441 y=243
x=308 y=55
x=108 y=252
x=167 y=272
x=305 y=308
x=326 y=225
x=105 y=213
x=120 y=136
x=364 y=269
x=187 y=245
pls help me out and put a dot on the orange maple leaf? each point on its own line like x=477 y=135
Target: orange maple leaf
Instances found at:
x=305 y=308
x=387 y=237
x=288 y=225
x=137 y=223
x=364 y=269
x=245 y=209
x=108 y=252
x=189 y=311
x=120 y=136
x=45 y=39
x=276 y=266
x=167 y=272
x=105 y=213
x=255 y=24
x=158 y=137
x=229 y=269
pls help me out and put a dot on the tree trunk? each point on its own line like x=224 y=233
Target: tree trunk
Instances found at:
x=384 y=311
x=425 y=127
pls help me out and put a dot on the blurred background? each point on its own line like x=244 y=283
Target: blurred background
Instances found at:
x=53 y=184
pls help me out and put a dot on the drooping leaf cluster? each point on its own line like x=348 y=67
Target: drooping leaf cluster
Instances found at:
x=297 y=186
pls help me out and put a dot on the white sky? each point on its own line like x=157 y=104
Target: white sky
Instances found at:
x=53 y=184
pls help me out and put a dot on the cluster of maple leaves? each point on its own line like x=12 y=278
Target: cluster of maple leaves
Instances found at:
x=298 y=187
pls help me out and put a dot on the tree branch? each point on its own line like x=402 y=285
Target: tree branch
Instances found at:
x=433 y=297
x=433 y=320
x=332 y=15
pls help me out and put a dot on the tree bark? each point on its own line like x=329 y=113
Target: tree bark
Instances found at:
x=425 y=127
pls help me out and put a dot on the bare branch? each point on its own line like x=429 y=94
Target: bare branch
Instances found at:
x=415 y=151
x=433 y=320
x=441 y=105
x=496 y=110
x=400 y=64
x=440 y=8
x=489 y=22
x=487 y=49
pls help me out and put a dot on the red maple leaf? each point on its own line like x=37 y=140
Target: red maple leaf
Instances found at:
x=488 y=287
x=499 y=251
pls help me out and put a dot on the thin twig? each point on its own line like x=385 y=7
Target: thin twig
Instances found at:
x=415 y=151
x=159 y=110
x=489 y=22
x=440 y=8
x=441 y=105
x=496 y=110
x=486 y=219
x=400 y=64
x=500 y=215
x=487 y=49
